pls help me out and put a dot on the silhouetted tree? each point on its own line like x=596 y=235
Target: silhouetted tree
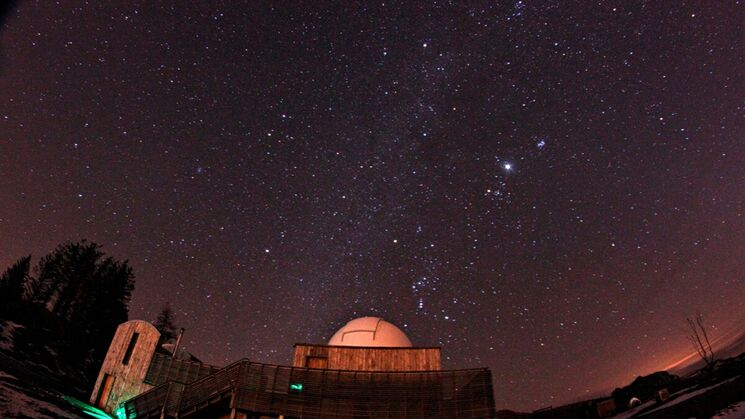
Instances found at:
x=79 y=272
x=12 y=284
x=700 y=339
x=42 y=286
x=165 y=323
x=99 y=306
x=89 y=293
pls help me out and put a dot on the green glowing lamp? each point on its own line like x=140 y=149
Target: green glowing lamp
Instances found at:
x=296 y=387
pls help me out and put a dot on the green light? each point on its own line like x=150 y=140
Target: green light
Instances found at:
x=120 y=413
x=296 y=387
x=88 y=409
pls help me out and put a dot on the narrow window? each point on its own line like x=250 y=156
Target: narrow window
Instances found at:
x=130 y=348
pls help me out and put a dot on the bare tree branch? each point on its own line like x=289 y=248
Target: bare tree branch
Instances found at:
x=700 y=322
x=699 y=338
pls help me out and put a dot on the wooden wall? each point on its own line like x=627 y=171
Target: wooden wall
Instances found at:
x=353 y=358
x=127 y=379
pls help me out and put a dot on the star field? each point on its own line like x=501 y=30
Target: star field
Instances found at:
x=543 y=188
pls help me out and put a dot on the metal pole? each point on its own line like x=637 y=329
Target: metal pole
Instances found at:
x=178 y=342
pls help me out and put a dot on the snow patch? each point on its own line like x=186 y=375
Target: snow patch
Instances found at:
x=631 y=412
x=736 y=411
x=692 y=394
x=15 y=403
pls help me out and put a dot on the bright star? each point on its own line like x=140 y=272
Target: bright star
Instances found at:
x=508 y=166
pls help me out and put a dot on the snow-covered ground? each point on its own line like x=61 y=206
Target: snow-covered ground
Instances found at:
x=691 y=395
x=27 y=389
x=15 y=402
x=631 y=412
x=736 y=411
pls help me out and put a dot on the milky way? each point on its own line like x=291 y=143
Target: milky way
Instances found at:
x=544 y=189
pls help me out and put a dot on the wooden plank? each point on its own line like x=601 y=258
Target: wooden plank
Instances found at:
x=370 y=358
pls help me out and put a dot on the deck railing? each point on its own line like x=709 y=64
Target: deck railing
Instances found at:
x=148 y=403
x=164 y=368
x=314 y=393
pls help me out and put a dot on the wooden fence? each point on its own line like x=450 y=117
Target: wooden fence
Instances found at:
x=319 y=393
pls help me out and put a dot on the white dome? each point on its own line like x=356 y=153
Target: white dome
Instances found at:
x=370 y=331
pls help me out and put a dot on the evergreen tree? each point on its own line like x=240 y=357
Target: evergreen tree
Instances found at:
x=165 y=323
x=12 y=284
x=71 y=306
x=89 y=293
x=102 y=303
x=43 y=285
x=80 y=269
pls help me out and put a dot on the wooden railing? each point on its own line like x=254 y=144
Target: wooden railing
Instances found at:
x=315 y=393
x=206 y=388
x=148 y=403
x=164 y=398
x=164 y=368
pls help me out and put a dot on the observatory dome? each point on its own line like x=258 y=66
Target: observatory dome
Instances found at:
x=370 y=331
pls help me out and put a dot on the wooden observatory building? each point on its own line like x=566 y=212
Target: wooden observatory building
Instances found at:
x=369 y=369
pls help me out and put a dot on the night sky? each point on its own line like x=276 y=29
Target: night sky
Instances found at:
x=543 y=188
